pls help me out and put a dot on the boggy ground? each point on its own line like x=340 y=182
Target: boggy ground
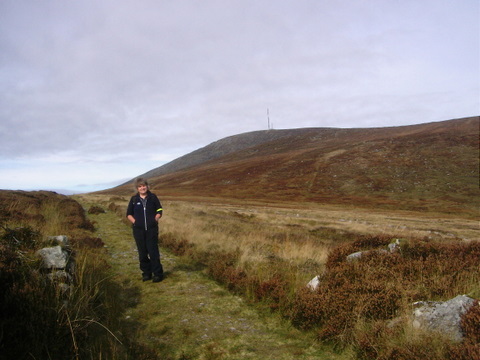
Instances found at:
x=189 y=316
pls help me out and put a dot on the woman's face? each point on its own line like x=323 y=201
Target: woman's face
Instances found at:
x=142 y=189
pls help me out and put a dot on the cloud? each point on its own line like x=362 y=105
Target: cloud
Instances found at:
x=126 y=81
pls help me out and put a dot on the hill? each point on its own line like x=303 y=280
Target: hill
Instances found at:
x=216 y=150
x=433 y=166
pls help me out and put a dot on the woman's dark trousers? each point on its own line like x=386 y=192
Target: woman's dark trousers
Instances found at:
x=148 y=253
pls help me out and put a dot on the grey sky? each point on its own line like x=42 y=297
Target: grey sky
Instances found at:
x=94 y=92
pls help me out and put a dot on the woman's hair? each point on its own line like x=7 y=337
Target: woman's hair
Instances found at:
x=140 y=181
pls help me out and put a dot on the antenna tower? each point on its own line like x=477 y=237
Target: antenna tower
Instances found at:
x=268 y=119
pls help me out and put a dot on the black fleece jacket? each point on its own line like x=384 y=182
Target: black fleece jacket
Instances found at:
x=144 y=210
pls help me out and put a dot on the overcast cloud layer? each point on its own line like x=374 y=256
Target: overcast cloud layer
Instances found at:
x=94 y=92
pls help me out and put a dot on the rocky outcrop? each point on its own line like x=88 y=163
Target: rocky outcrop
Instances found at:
x=58 y=261
x=442 y=316
x=314 y=283
x=54 y=257
x=392 y=248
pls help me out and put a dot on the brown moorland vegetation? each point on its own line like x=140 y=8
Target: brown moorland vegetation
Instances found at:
x=267 y=254
x=39 y=319
x=428 y=167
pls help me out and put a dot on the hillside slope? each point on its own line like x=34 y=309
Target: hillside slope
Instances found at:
x=218 y=149
x=426 y=166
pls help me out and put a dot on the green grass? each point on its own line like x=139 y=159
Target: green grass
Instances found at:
x=189 y=316
x=356 y=300
x=259 y=309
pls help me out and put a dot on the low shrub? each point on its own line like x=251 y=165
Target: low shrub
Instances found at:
x=23 y=237
x=73 y=214
x=95 y=210
x=179 y=247
x=467 y=351
x=308 y=310
x=223 y=268
x=363 y=242
x=471 y=324
x=381 y=340
x=370 y=292
x=274 y=291
x=87 y=242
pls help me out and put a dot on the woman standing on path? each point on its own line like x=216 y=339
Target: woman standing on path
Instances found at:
x=144 y=210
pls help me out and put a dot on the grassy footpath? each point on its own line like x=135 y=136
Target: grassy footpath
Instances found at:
x=189 y=316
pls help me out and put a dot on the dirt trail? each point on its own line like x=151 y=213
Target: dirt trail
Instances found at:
x=189 y=316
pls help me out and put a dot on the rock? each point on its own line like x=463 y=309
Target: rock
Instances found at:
x=59 y=263
x=442 y=316
x=355 y=256
x=358 y=255
x=61 y=240
x=394 y=246
x=54 y=257
x=314 y=283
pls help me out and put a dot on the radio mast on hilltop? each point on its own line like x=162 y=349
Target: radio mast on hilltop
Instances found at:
x=268 y=119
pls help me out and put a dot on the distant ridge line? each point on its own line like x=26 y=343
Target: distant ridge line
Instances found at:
x=236 y=143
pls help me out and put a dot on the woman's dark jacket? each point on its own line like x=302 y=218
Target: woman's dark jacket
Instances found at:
x=144 y=210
